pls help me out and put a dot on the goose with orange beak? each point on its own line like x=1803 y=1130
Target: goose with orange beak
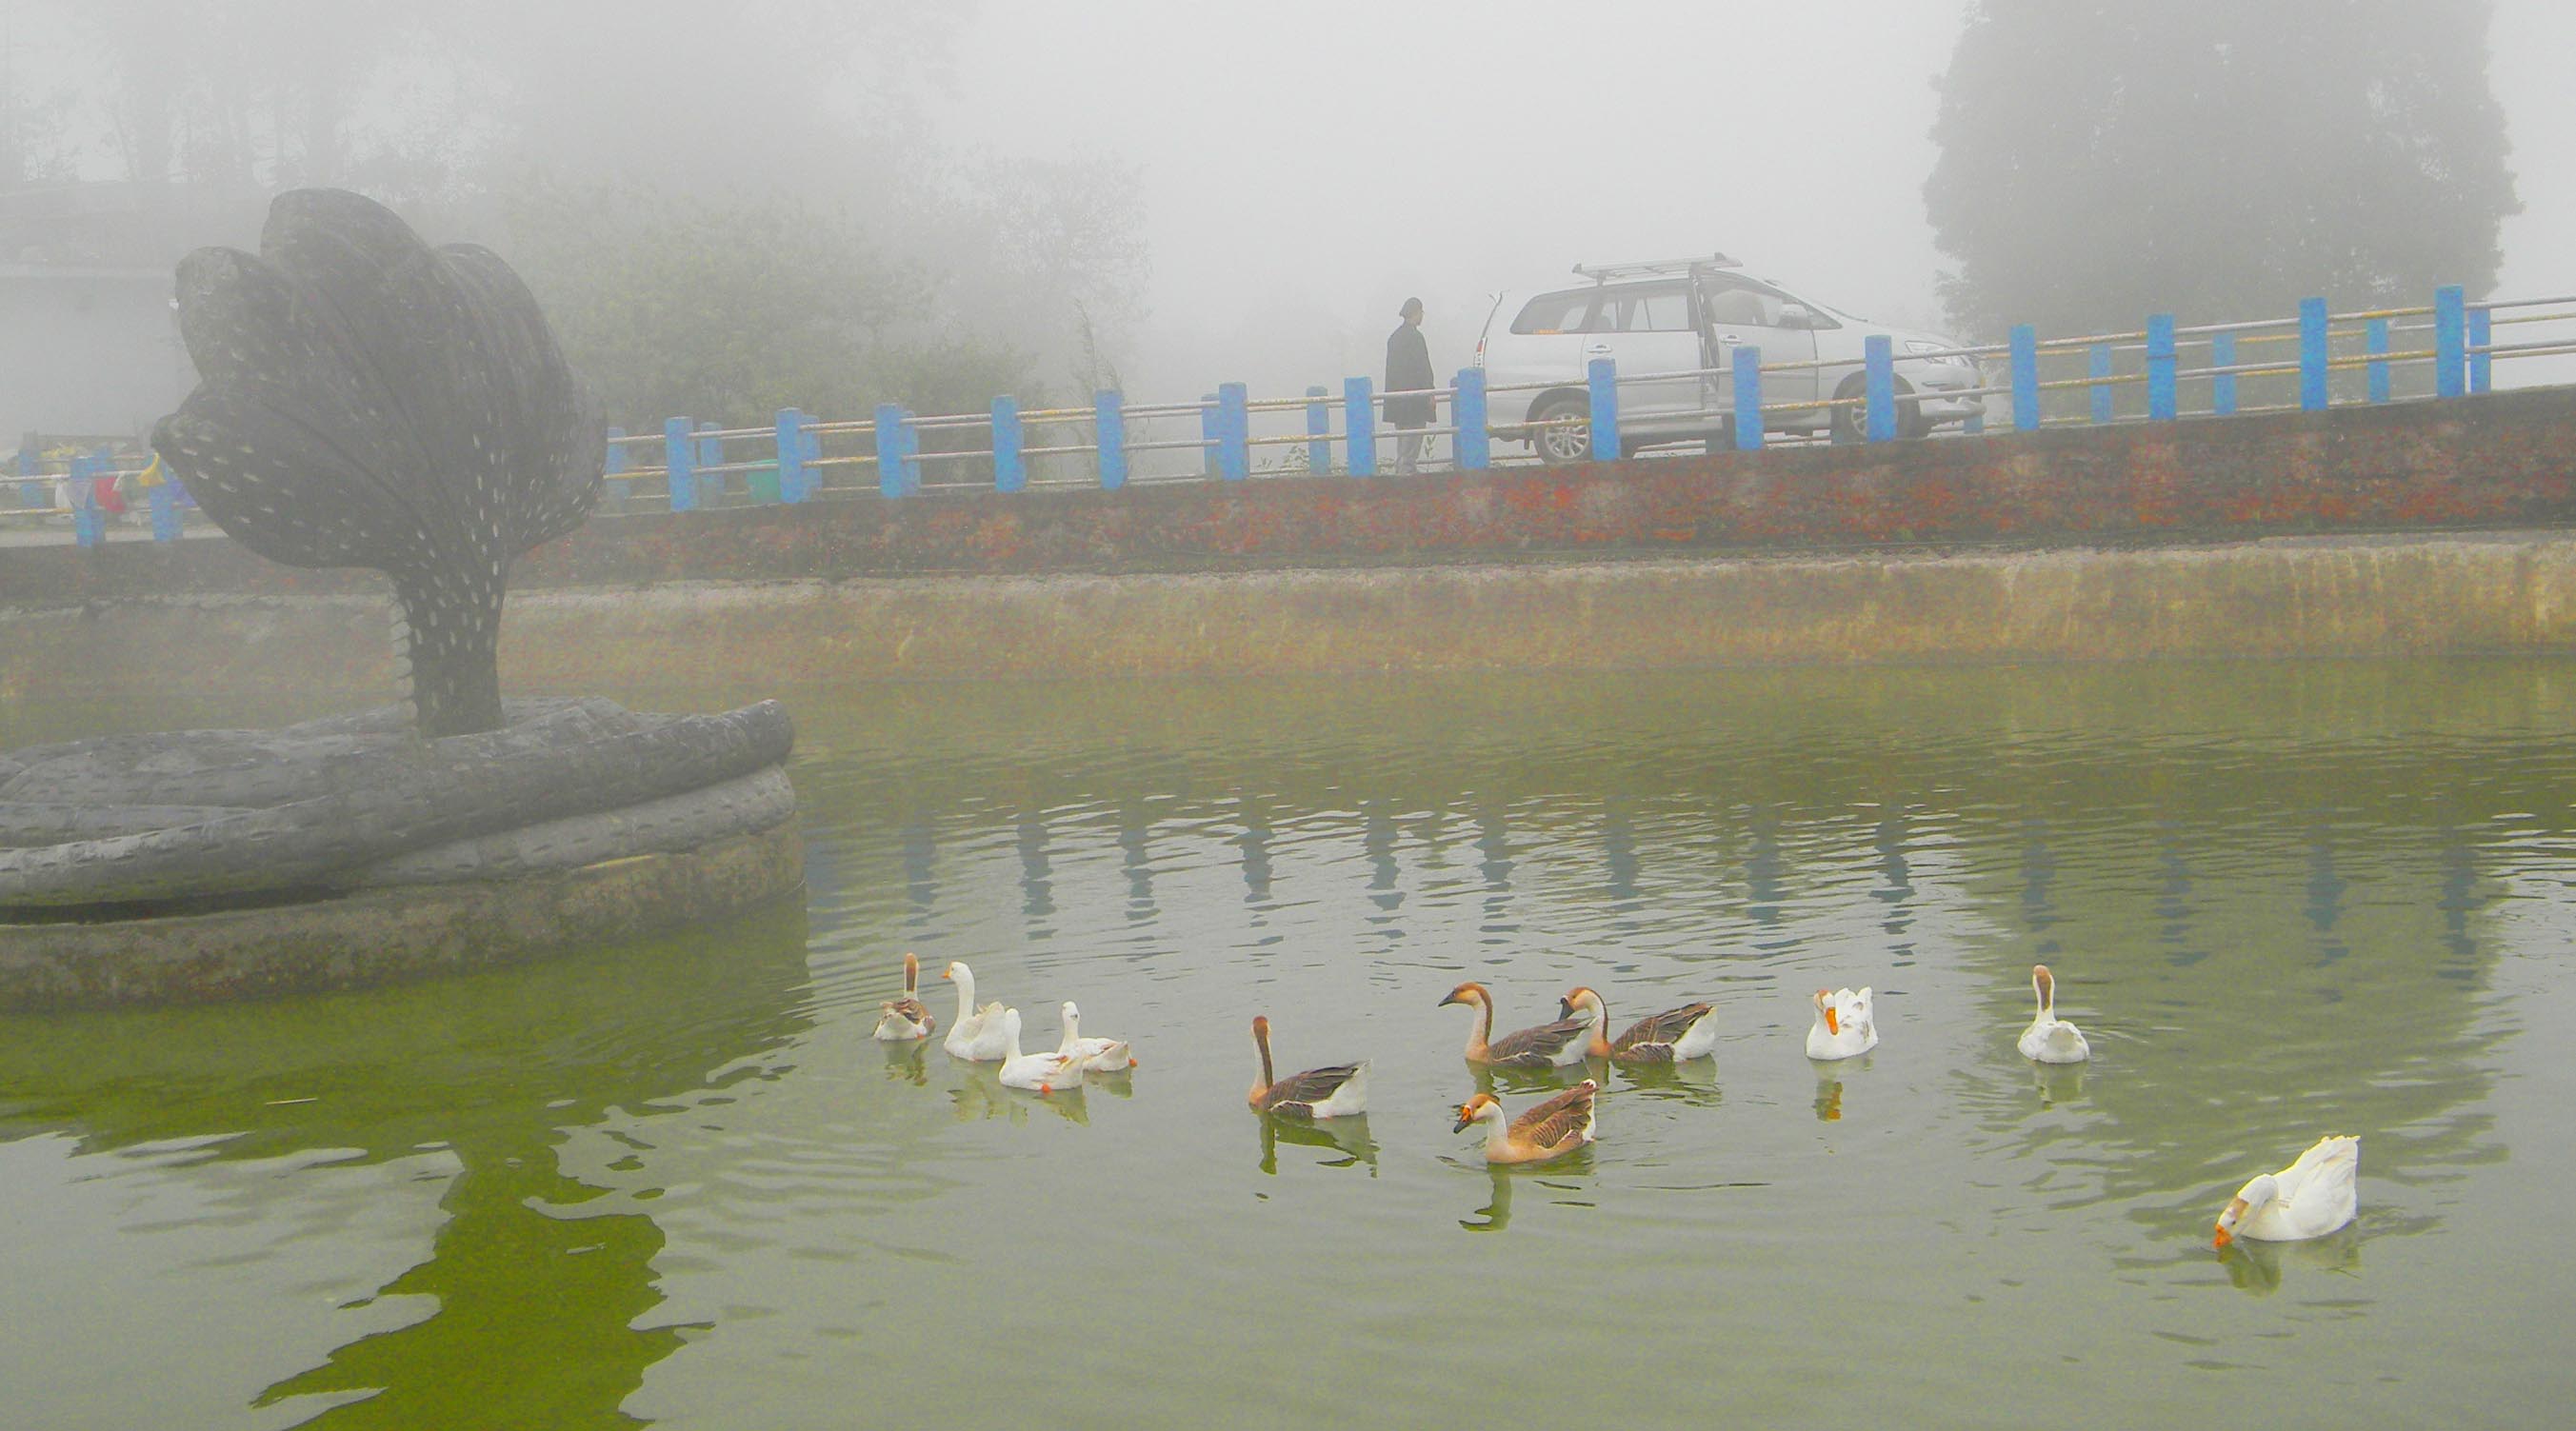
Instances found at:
x=1040 y=1072
x=906 y=1019
x=1843 y=1027
x=985 y=1035
x=1550 y=1130
x=1540 y=1046
x=2316 y=1195
x=1340 y=1091
x=1673 y=1036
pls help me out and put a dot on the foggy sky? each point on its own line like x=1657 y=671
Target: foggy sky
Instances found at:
x=1305 y=168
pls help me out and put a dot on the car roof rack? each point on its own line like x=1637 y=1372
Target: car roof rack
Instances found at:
x=1653 y=267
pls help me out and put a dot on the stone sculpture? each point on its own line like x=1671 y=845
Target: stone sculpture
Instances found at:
x=367 y=400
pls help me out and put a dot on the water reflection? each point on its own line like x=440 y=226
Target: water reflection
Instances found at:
x=540 y=1306
x=2278 y=900
x=1347 y=1140
x=2256 y=1267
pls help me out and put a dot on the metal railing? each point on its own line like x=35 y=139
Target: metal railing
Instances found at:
x=798 y=458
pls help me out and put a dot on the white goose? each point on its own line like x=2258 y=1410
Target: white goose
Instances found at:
x=979 y=1035
x=2310 y=1198
x=1843 y=1026
x=2050 y=1039
x=1037 y=1072
x=1095 y=1055
x=906 y=1020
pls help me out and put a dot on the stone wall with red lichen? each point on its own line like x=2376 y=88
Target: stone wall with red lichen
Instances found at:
x=2500 y=461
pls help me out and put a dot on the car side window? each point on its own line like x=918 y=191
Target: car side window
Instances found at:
x=1655 y=308
x=1735 y=305
x=1561 y=312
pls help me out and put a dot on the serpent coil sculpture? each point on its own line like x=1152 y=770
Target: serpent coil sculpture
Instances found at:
x=368 y=400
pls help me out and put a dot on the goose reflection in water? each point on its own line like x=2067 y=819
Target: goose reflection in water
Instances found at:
x=1496 y=1214
x=908 y=1063
x=1348 y=1138
x=1693 y=1083
x=2058 y=1082
x=1524 y=1082
x=2256 y=1267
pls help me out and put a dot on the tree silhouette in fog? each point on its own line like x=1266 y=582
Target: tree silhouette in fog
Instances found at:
x=2213 y=158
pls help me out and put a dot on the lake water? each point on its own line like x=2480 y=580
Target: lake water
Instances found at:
x=678 y=1183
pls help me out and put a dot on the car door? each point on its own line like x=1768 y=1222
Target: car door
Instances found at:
x=1544 y=344
x=1741 y=313
x=1654 y=340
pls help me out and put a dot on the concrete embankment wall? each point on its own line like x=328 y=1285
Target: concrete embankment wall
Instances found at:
x=2420 y=529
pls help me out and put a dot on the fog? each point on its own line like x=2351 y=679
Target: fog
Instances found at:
x=1270 y=182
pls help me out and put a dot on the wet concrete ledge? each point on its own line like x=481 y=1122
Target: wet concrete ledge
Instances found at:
x=2451 y=594
x=382 y=936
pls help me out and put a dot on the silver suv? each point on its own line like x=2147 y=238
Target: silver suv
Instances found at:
x=1684 y=316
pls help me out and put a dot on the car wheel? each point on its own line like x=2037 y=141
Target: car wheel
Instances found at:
x=1557 y=446
x=1851 y=423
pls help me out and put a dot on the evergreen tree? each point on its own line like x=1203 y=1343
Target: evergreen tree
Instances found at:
x=2216 y=159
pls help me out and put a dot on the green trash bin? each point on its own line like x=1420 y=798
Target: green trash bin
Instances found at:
x=763 y=480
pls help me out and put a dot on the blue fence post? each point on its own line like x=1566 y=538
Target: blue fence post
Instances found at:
x=711 y=455
x=2161 y=403
x=1602 y=375
x=2450 y=340
x=1878 y=366
x=1319 y=430
x=1359 y=426
x=1010 y=468
x=1109 y=420
x=1234 y=432
x=893 y=472
x=1745 y=368
x=164 y=502
x=791 y=455
x=2377 y=342
x=680 y=460
x=2222 y=386
x=2025 y=377
x=1474 y=443
x=2313 y=395
x=87 y=529
x=613 y=467
x=2481 y=362
x=2105 y=407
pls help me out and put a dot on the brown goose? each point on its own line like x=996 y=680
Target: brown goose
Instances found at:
x=905 y=1019
x=1541 y=1047
x=1668 y=1037
x=1550 y=1130
x=1336 y=1092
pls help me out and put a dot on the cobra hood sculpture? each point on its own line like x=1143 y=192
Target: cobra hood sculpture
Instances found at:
x=367 y=400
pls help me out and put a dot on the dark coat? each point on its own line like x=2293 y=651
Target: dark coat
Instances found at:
x=1408 y=368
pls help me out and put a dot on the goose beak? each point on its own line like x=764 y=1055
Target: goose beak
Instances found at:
x=948 y=974
x=2236 y=1209
x=1446 y=1002
x=1565 y=1008
x=1465 y=1116
x=1833 y=1025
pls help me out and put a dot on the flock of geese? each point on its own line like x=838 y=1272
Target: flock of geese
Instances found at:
x=2312 y=1197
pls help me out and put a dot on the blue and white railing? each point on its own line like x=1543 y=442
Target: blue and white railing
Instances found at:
x=1233 y=437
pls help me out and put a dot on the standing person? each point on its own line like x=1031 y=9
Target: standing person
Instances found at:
x=1408 y=370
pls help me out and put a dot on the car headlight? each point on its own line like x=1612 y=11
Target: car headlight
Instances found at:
x=1925 y=345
